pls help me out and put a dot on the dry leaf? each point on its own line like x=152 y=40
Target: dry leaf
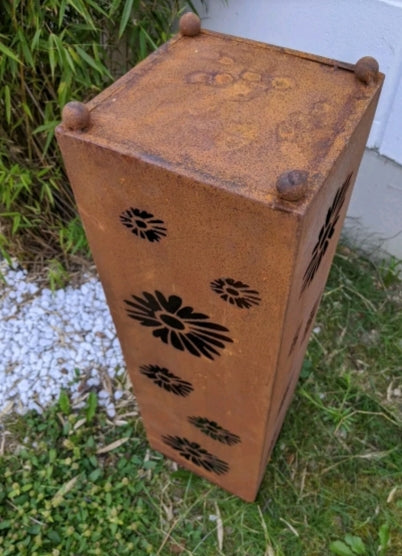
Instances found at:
x=58 y=497
x=219 y=526
x=79 y=423
x=290 y=526
x=113 y=445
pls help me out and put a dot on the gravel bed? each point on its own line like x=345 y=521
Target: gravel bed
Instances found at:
x=51 y=341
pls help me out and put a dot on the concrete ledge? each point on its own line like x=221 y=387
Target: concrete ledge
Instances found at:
x=374 y=218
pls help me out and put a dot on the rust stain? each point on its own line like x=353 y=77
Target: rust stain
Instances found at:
x=213 y=180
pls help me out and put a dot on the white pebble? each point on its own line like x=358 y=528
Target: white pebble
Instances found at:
x=48 y=337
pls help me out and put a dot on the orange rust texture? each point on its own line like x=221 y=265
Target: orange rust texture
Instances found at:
x=322 y=219
x=196 y=135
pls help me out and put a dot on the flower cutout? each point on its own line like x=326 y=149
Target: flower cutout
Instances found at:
x=311 y=318
x=178 y=325
x=235 y=292
x=326 y=233
x=285 y=395
x=193 y=452
x=167 y=380
x=215 y=431
x=294 y=341
x=143 y=224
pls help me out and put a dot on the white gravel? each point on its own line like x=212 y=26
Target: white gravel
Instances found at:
x=55 y=340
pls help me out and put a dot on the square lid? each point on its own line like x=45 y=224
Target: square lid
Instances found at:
x=233 y=113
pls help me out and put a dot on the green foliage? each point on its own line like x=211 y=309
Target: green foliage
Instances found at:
x=91 y=406
x=80 y=491
x=351 y=546
x=52 y=52
x=56 y=274
x=354 y=546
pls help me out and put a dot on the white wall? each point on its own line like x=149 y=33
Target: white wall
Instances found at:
x=345 y=30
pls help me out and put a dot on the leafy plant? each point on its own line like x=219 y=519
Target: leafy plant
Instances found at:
x=50 y=53
x=353 y=545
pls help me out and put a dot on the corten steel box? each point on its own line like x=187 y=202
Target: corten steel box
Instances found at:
x=213 y=180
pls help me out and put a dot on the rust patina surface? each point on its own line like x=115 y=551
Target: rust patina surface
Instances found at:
x=213 y=180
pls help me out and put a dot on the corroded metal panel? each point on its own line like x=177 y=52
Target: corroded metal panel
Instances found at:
x=212 y=180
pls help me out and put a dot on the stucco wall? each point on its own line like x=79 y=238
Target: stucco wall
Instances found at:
x=345 y=30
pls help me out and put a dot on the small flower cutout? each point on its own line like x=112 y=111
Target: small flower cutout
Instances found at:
x=215 y=431
x=326 y=233
x=167 y=380
x=295 y=339
x=235 y=292
x=143 y=224
x=177 y=325
x=311 y=318
x=191 y=451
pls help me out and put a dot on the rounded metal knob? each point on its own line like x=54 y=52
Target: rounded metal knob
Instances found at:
x=190 y=24
x=75 y=116
x=292 y=186
x=366 y=70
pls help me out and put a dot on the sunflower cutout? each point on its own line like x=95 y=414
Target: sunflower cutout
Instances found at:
x=215 y=431
x=235 y=292
x=167 y=380
x=143 y=224
x=326 y=233
x=177 y=325
x=191 y=451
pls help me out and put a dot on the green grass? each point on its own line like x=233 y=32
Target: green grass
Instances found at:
x=333 y=486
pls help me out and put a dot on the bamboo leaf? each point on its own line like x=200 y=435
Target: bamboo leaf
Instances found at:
x=60 y=50
x=97 y=7
x=143 y=45
x=74 y=55
x=25 y=48
x=9 y=53
x=62 y=92
x=90 y=61
x=46 y=192
x=69 y=60
x=27 y=110
x=52 y=58
x=82 y=10
x=7 y=103
x=35 y=40
x=113 y=7
x=49 y=128
x=125 y=16
x=62 y=10
x=49 y=140
x=16 y=223
x=149 y=39
x=192 y=7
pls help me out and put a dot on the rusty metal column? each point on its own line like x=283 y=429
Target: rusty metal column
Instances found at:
x=212 y=181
